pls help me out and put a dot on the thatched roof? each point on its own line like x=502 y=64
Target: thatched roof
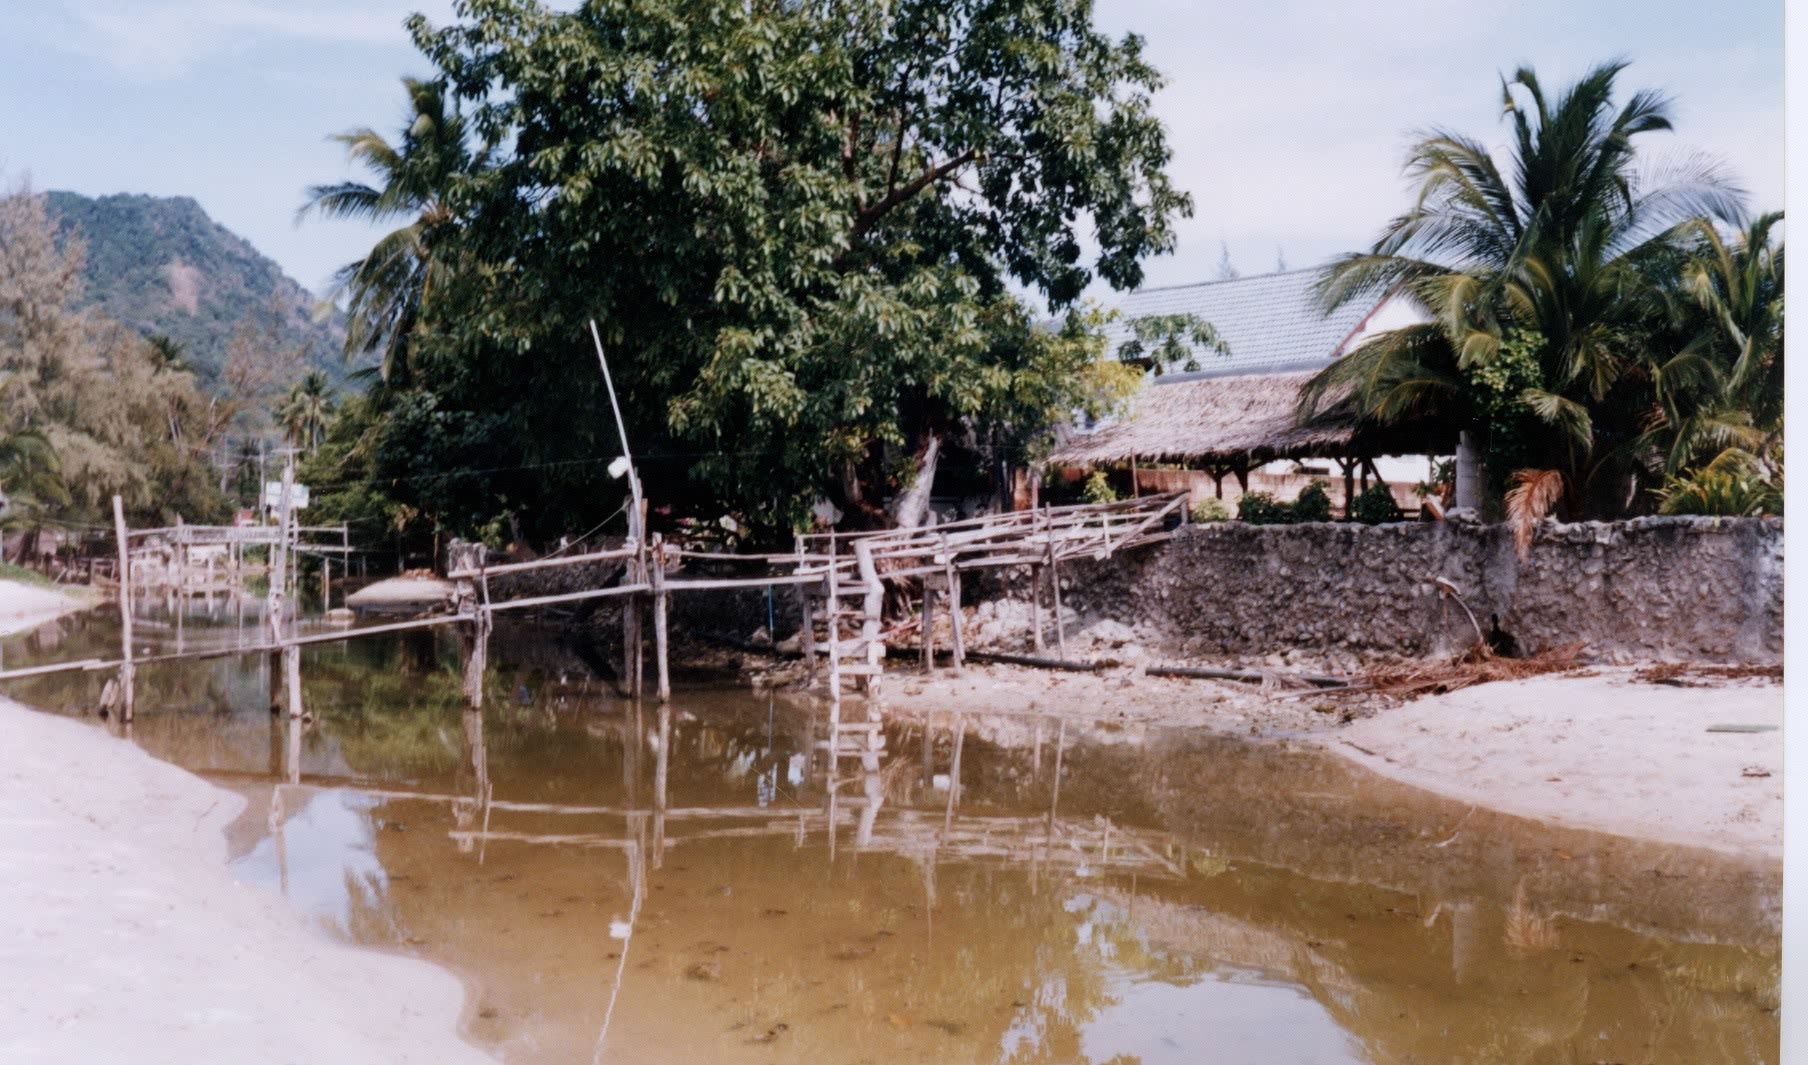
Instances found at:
x=1244 y=420
x=1241 y=421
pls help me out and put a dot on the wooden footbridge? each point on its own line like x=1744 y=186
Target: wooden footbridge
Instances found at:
x=843 y=579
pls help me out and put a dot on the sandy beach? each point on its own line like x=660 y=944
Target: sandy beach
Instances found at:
x=1609 y=751
x=26 y=606
x=125 y=939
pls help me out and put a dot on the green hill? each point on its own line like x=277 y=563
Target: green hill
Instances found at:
x=163 y=266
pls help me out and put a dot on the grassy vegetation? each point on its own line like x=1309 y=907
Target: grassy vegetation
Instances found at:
x=10 y=572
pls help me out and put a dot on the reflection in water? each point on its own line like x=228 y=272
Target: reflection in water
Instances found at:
x=676 y=884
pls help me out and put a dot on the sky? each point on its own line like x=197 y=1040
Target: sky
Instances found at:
x=1289 y=119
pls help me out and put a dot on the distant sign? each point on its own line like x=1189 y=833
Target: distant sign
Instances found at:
x=298 y=496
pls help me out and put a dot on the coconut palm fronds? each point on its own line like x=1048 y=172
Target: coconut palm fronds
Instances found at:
x=1534 y=495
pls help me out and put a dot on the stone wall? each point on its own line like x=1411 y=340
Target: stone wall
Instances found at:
x=1651 y=588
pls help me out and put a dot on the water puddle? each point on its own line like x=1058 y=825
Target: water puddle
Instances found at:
x=619 y=883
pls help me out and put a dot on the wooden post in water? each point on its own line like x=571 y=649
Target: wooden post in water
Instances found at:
x=282 y=562
x=954 y=772
x=659 y=633
x=806 y=632
x=291 y=656
x=469 y=558
x=1036 y=606
x=1054 y=583
x=279 y=555
x=127 y=672
x=634 y=605
x=661 y=762
x=928 y=626
x=959 y=645
x=871 y=641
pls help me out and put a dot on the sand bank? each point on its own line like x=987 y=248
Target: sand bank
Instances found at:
x=26 y=606
x=1596 y=749
x=123 y=938
x=1605 y=751
x=1109 y=702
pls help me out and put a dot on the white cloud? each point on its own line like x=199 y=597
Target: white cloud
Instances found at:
x=166 y=38
x=1290 y=120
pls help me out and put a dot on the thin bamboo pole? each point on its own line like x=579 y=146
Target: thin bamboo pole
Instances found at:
x=659 y=623
x=1054 y=584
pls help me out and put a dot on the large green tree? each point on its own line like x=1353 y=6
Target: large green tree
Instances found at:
x=1537 y=272
x=803 y=229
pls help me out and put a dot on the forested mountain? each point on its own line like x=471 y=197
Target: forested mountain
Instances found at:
x=162 y=266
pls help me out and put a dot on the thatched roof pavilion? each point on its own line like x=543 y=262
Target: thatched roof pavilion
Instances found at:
x=1239 y=410
x=1231 y=425
x=1214 y=421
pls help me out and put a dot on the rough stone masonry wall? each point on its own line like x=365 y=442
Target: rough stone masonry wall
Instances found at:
x=1650 y=588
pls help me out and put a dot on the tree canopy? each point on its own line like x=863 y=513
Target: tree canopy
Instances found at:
x=814 y=237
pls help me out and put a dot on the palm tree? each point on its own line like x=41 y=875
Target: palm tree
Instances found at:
x=389 y=288
x=1723 y=387
x=31 y=482
x=308 y=409
x=1536 y=279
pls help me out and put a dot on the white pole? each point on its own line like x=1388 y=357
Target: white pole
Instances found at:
x=620 y=426
x=126 y=669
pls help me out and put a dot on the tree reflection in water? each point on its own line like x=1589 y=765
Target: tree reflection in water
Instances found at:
x=1196 y=898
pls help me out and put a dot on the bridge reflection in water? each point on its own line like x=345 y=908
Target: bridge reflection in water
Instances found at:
x=679 y=884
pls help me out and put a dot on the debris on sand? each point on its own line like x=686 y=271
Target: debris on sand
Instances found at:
x=1478 y=665
x=1697 y=675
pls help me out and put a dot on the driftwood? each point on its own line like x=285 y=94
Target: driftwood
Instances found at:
x=1478 y=665
x=1252 y=676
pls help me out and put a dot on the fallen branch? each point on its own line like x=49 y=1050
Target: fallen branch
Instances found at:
x=1251 y=676
x=1036 y=663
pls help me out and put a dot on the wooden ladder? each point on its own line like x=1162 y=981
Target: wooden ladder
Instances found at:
x=842 y=738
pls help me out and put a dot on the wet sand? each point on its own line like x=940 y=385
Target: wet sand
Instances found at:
x=26 y=606
x=1596 y=749
x=1604 y=751
x=124 y=938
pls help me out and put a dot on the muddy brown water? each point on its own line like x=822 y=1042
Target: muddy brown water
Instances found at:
x=1183 y=898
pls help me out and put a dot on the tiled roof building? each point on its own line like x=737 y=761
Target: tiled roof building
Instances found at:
x=1273 y=323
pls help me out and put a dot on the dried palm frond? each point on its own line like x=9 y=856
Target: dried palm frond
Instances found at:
x=1535 y=493
x=1410 y=680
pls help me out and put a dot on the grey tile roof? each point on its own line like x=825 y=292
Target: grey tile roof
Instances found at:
x=1272 y=322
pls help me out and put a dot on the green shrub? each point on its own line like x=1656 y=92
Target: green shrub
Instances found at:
x=1211 y=508
x=1376 y=506
x=1313 y=504
x=1734 y=484
x=1260 y=508
x=1097 y=489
